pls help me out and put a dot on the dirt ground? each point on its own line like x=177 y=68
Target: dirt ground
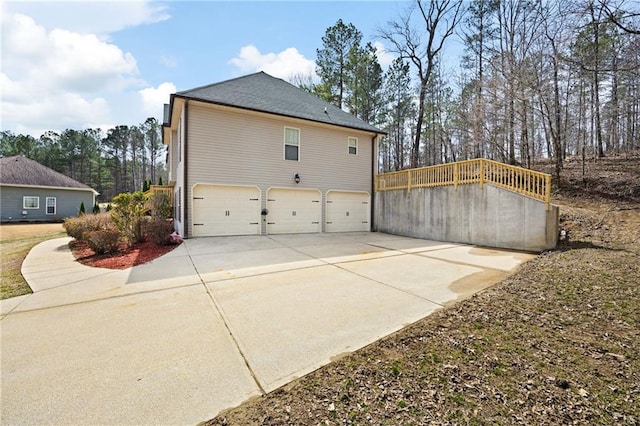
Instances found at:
x=555 y=343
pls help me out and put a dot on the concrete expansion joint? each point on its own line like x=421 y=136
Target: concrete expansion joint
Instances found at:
x=389 y=285
x=83 y=302
x=457 y=262
x=337 y=265
x=109 y=272
x=222 y=315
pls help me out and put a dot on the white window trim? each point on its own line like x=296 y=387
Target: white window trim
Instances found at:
x=349 y=146
x=55 y=206
x=284 y=145
x=24 y=202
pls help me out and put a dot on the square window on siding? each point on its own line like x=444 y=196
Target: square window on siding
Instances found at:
x=51 y=205
x=291 y=144
x=30 y=202
x=353 y=146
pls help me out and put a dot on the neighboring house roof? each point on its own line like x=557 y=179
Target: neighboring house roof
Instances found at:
x=262 y=92
x=22 y=171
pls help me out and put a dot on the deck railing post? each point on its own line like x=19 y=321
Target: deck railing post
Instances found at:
x=481 y=173
x=409 y=181
x=547 y=194
x=455 y=175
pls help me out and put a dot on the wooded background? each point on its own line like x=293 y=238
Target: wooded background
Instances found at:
x=538 y=80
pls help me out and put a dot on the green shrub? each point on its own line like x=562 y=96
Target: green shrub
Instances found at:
x=82 y=210
x=128 y=215
x=104 y=241
x=158 y=230
x=76 y=227
x=160 y=181
x=161 y=205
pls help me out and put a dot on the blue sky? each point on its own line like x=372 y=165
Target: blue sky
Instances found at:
x=99 y=64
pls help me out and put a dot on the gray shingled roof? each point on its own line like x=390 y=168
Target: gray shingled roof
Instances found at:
x=24 y=171
x=262 y=92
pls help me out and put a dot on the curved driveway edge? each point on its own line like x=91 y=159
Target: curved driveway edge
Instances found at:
x=214 y=322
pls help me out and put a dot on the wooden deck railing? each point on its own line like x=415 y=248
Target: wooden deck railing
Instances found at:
x=162 y=189
x=517 y=179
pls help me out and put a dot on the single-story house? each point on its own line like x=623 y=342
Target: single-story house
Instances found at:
x=256 y=155
x=32 y=192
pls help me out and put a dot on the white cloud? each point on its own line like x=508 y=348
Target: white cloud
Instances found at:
x=288 y=64
x=153 y=98
x=58 y=78
x=384 y=58
x=95 y=17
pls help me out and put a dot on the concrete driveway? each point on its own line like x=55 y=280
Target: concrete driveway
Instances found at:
x=214 y=322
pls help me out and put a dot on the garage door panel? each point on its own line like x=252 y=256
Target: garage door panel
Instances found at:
x=225 y=210
x=347 y=211
x=293 y=211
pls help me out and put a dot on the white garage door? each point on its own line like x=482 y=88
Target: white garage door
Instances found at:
x=347 y=211
x=225 y=210
x=293 y=211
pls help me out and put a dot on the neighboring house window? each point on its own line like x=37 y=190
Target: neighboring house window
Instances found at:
x=291 y=144
x=29 y=202
x=353 y=146
x=51 y=205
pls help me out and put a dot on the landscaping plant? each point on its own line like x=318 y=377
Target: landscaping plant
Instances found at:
x=159 y=228
x=128 y=215
x=76 y=227
x=104 y=241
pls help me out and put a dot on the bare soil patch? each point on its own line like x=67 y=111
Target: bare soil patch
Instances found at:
x=555 y=343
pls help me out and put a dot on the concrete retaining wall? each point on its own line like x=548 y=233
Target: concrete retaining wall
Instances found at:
x=487 y=216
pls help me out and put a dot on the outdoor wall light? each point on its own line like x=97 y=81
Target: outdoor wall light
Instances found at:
x=296 y=178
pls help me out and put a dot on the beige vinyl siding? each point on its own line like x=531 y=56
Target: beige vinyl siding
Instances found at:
x=173 y=156
x=230 y=146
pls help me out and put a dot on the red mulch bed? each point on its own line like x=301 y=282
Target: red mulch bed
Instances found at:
x=124 y=258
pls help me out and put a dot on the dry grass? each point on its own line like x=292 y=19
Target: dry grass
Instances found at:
x=16 y=240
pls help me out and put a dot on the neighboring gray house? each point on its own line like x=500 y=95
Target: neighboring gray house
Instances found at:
x=256 y=155
x=32 y=192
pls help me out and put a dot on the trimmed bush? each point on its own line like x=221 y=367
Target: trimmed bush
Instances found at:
x=104 y=241
x=76 y=227
x=159 y=230
x=96 y=208
x=161 y=205
x=128 y=215
x=82 y=210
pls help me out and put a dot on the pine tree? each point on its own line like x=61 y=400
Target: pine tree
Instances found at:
x=333 y=61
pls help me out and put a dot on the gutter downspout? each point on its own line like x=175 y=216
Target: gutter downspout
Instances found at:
x=185 y=159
